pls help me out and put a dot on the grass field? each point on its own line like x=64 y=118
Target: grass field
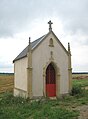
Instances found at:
x=63 y=108
x=6 y=82
x=80 y=80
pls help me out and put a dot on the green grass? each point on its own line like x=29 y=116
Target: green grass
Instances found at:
x=19 y=108
x=62 y=108
x=82 y=82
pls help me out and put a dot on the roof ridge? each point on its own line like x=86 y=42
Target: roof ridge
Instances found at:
x=38 y=41
x=38 y=38
x=25 y=50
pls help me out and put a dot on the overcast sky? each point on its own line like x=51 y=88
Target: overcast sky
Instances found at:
x=20 y=19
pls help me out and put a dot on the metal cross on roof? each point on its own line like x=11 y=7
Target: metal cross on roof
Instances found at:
x=50 y=25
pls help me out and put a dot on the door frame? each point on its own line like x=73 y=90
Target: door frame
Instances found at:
x=50 y=82
x=57 y=71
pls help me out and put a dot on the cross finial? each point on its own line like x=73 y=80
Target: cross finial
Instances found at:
x=50 y=25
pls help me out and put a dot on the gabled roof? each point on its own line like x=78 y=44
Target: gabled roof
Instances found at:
x=24 y=52
x=35 y=43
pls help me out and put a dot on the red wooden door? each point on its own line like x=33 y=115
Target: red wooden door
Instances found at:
x=50 y=81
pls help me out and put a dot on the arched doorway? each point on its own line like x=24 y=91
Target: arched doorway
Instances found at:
x=50 y=81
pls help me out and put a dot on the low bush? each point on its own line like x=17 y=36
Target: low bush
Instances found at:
x=76 y=90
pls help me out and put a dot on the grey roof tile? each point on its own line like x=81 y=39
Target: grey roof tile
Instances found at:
x=33 y=45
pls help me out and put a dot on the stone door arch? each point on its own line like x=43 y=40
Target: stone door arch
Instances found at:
x=57 y=78
x=50 y=81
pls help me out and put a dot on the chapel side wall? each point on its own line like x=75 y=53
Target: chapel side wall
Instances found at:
x=40 y=57
x=20 y=75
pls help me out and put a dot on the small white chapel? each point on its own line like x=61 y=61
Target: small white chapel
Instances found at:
x=43 y=68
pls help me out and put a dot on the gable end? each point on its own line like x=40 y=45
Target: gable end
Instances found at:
x=36 y=43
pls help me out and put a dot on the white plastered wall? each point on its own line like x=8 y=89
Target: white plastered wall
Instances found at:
x=40 y=57
x=20 y=76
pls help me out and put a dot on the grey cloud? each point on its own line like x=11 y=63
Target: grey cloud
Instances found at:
x=17 y=15
x=14 y=16
x=85 y=42
x=5 y=65
x=75 y=16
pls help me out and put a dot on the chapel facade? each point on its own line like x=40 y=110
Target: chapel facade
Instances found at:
x=43 y=68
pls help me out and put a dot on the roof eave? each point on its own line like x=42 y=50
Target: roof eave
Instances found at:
x=19 y=58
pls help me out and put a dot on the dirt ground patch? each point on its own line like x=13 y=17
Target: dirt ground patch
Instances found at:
x=6 y=83
x=83 y=111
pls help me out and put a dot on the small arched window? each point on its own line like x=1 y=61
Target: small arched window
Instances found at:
x=51 y=42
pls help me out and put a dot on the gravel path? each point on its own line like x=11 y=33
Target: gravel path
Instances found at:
x=83 y=112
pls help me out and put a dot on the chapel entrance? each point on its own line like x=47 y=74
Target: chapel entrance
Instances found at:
x=50 y=81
